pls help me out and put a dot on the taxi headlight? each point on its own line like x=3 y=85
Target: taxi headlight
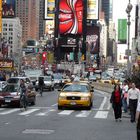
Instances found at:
x=84 y=98
x=62 y=97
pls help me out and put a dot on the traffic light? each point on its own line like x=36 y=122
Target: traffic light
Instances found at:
x=44 y=57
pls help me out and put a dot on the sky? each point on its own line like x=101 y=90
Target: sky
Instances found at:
x=119 y=7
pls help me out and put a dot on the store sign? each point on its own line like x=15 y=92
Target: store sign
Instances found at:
x=70 y=16
x=49 y=9
x=6 y=64
x=92 y=9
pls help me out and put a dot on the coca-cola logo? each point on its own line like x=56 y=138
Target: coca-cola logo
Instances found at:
x=70 y=16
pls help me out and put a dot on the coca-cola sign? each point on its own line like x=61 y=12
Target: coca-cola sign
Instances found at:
x=70 y=16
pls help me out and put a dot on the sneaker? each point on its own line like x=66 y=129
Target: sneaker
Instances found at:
x=120 y=119
x=116 y=120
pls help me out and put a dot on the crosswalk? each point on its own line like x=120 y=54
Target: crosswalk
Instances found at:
x=42 y=111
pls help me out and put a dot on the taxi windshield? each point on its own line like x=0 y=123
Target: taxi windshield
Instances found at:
x=75 y=88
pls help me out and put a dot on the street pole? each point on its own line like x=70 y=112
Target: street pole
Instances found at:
x=128 y=10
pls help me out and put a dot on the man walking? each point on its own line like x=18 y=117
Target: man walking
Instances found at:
x=133 y=96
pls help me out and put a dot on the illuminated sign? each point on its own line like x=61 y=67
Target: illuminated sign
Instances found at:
x=92 y=39
x=70 y=16
x=8 y=8
x=49 y=9
x=92 y=9
x=6 y=64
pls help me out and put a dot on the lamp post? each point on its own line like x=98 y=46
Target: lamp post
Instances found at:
x=128 y=10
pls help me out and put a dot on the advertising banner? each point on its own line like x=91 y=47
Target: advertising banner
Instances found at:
x=8 y=8
x=71 y=16
x=6 y=64
x=49 y=9
x=92 y=39
x=122 y=31
x=92 y=9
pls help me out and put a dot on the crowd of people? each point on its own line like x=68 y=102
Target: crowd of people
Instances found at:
x=127 y=98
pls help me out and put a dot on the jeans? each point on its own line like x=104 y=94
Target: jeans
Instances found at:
x=124 y=102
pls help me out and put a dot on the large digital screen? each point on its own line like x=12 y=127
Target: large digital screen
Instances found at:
x=71 y=16
x=49 y=9
x=92 y=39
x=92 y=9
x=8 y=8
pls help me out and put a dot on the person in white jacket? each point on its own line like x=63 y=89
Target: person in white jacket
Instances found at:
x=132 y=100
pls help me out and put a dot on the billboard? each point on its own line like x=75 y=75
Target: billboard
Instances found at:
x=92 y=9
x=71 y=16
x=6 y=63
x=122 y=31
x=92 y=39
x=0 y=16
x=8 y=8
x=49 y=9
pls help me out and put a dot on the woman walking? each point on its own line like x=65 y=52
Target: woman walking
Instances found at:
x=117 y=102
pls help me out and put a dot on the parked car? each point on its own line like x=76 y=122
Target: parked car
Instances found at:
x=48 y=83
x=16 y=80
x=10 y=95
x=92 y=78
x=57 y=80
x=76 y=94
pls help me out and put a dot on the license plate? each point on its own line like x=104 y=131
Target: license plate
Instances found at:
x=7 y=101
x=73 y=103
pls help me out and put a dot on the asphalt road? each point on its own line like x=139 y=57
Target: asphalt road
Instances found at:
x=44 y=122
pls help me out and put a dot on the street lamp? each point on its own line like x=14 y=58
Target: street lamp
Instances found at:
x=128 y=10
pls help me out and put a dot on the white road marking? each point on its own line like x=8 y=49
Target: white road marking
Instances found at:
x=103 y=103
x=28 y=111
x=45 y=113
x=65 y=112
x=55 y=104
x=83 y=114
x=101 y=114
x=9 y=111
x=37 y=131
x=2 y=109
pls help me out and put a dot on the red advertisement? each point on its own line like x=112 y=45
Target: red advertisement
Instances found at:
x=70 y=16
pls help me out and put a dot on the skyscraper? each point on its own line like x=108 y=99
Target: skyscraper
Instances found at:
x=28 y=12
x=105 y=6
x=41 y=19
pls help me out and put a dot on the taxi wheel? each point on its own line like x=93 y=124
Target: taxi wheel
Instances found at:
x=59 y=107
x=34 y=102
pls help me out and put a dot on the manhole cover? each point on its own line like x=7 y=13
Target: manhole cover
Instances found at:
x=38 y=131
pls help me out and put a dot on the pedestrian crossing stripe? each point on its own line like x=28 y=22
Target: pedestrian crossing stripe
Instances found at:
x=46 y=112
x=101 y=114
x=83 y=114
x=66 y=112
x=9 y=111
x=28 y=112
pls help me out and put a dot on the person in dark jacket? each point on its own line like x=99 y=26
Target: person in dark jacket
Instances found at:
x=116 y=100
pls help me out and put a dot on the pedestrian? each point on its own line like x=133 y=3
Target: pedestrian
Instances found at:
x=132 y=99
x=138 y=121
x=124 y=96
x=116 y=101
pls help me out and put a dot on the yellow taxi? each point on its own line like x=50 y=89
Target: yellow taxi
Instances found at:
x=106 y=80
x=76 y=94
